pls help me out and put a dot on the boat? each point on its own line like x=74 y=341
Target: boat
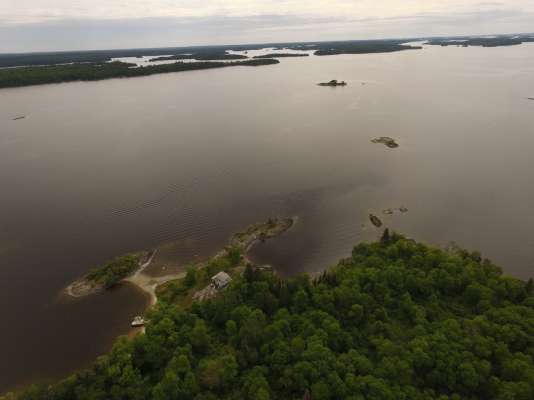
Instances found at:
x=138 y=321
x=17 y=118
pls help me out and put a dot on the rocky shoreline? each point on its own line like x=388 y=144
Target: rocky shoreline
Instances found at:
x=244 y=240
x=389 y=142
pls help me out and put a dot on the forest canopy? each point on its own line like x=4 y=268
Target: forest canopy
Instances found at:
x=396 y=320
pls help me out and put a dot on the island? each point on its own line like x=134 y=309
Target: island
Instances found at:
x=333 y=82
x=282 y=55
x=389 y=142
x=391 y=211
x=110 y=274
x=38 y=75
x=375 y=220
x=396 y=319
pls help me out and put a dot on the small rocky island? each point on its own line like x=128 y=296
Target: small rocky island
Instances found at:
x=389 y=142
x=333 y=82
x=108 y=275
x=391 y=211
x=260 y=232
x=375 y=220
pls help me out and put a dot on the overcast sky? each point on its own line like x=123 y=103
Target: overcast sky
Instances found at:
x=36 y=25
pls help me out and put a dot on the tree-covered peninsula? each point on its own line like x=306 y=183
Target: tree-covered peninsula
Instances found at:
x=396 y=320
x=26 y=76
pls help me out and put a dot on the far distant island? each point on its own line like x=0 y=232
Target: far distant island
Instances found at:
x=493 y=41
x=282 y=55
x=202 y=52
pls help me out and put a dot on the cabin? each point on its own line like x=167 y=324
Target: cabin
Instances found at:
x=138 y=321
x=221 y=280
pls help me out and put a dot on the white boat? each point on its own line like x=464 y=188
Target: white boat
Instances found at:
x=138 y=321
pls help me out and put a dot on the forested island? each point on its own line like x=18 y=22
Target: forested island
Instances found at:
x=26 y=76
x=395 y=320
x=109 y=274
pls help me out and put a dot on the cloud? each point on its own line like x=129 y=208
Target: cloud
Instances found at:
x=35 y=25
x=23 y=11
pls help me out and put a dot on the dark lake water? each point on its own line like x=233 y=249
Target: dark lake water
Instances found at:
x=103 y=168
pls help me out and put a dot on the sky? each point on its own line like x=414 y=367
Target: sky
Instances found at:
x=48 y=25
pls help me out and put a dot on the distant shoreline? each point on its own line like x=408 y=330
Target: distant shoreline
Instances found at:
x=29 y=69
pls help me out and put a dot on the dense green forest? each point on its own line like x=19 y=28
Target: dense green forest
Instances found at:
x=114 y=271
x=396 y=320
x=25 y=76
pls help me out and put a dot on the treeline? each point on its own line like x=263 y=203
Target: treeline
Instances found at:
x=362 y=47
x=114 y=271
x=396 y=320
x=25 y=76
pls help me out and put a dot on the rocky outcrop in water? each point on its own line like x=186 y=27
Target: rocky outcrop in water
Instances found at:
x=333 y=82
x=389 y=142
x=375 y=220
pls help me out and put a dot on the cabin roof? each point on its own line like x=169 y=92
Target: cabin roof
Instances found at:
x=221 y=277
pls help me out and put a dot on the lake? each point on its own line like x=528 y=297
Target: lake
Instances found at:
x=103 y=168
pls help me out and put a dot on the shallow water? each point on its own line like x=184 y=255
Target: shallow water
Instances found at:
x=103 y=168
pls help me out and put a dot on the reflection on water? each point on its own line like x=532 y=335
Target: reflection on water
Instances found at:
x=103 y=168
